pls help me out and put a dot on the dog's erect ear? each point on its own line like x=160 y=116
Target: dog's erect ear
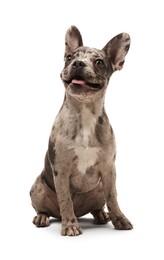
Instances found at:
x=116 y=49
x=73 y=40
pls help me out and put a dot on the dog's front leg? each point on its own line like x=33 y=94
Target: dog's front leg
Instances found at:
x=117 y=217
x=70 y=226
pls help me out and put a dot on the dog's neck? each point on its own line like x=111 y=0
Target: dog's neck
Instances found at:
x=75 y=105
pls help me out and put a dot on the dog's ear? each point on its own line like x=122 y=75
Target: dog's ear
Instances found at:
x=73 y=40
x=116 y=49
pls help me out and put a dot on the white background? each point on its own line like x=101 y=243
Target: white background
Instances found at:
x=31 y=93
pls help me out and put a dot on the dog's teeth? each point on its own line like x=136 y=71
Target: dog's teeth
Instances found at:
x=79 y=82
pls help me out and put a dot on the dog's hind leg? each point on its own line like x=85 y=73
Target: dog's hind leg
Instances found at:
x=45 y=203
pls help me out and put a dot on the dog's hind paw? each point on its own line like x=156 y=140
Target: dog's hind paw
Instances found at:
x=41 y=220
x=100 y=217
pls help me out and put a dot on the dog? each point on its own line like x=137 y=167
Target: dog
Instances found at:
x=79 y=171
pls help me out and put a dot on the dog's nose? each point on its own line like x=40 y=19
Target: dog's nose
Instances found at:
x=78 y=64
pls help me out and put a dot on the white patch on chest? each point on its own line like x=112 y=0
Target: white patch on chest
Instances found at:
x=87 y=155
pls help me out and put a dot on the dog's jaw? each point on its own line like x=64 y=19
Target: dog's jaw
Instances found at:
x=82 y=84
x=84 y=91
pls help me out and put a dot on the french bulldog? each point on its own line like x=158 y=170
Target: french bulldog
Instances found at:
x=79 y=172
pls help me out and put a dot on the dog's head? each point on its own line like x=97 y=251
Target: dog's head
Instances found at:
x=87 y=70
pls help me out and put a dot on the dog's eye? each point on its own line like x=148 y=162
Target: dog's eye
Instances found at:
x=68 y=57
x=99 y=62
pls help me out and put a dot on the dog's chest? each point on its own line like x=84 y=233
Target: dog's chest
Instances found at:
x=86 y=148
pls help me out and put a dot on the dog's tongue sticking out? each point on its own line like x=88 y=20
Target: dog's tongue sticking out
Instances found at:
x=78 y=82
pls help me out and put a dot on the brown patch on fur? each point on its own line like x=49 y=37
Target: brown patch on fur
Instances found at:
x=51 y=151
x=75 y=158
x=111 y=131
x=127 y=47
x=100 y=119
x=99 y=130
x=90 y=171
x=74 y=133
x=121 y=63
x=73 y=220
x=55 y=173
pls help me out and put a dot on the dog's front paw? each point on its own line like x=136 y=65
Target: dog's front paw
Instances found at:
x=41 y=220
x=70 y=228
x=122 y=223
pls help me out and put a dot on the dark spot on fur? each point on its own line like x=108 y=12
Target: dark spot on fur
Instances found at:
x=55 y=173
x=121 y=63
x=119 y=36
x=51 y=151
x=73 y=220
x=114 y=157
x=75 y=158
x=47 y=164
x=127 y=39
x=97 y=132
x=74 y=133
x=67 y=220
x=100 y=119
x=111 y=130
x=90 y=171
x=97 y=163
x=109 y=197
x=127 y=47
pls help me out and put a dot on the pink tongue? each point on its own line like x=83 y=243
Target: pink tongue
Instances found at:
x=78 y=82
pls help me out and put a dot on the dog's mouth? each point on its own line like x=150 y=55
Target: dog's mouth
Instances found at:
x=79 y=82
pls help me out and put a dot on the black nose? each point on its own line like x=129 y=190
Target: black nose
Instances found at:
x=78 y=64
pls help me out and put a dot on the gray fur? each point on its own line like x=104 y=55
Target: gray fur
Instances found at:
x=79 y=173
